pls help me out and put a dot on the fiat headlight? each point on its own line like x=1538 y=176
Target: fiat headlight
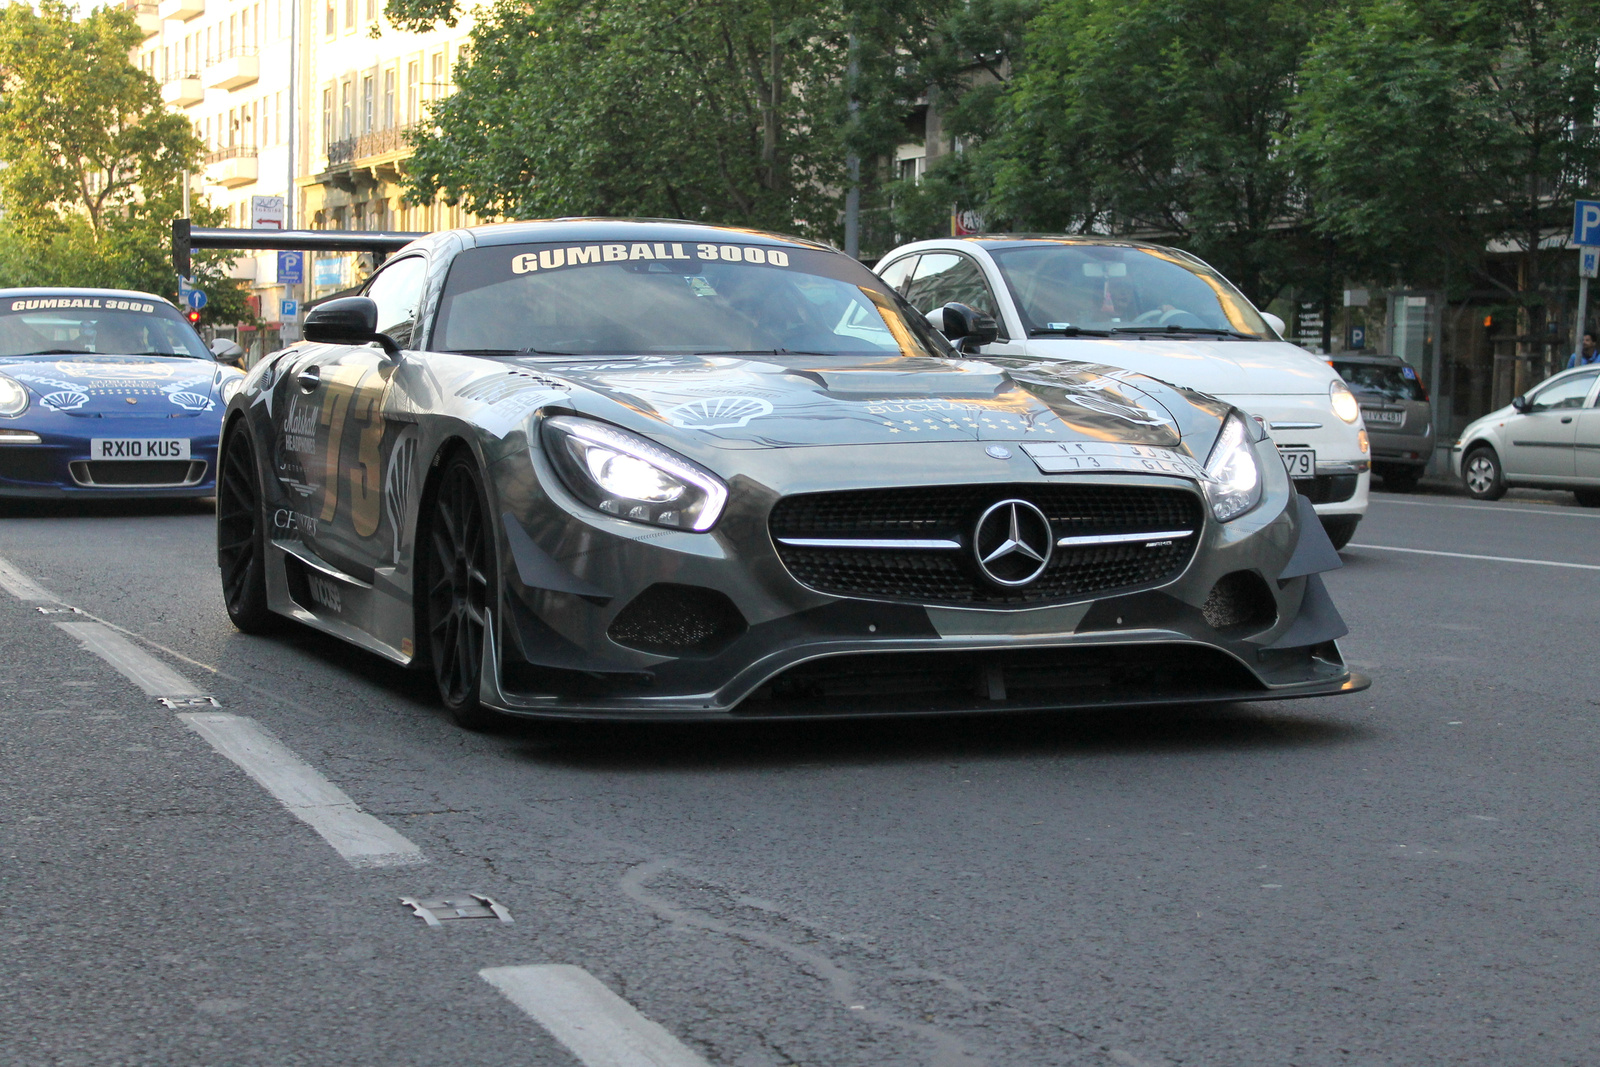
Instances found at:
x=1344 y=401
x=1233 y=484
x=630 y=477
x=13 y=397
x=230 y=388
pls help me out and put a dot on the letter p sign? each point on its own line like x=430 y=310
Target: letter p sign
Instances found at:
x=1586 y=223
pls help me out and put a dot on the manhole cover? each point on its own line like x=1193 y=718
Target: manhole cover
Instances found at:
x=436 y=912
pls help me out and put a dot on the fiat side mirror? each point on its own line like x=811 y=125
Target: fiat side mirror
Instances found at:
x=1521 y=404
x=966 y=327
x=1279 y=327
x=350 y=320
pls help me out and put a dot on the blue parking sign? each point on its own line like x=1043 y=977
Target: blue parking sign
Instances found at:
x=1586 y=223
x=288 y=308
x=291 y=268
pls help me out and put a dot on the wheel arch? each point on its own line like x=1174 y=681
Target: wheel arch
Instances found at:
x=452 y=444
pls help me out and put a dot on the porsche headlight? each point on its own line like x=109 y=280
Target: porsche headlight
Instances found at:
x=13 y=397
x=1344 y=401
x=630 y=477
x=1233 y=485
x=230 y=388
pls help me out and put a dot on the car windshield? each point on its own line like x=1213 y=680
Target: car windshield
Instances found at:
x=1067 y=287
x=95 y=325
x=610 y=299
x=1386 y=381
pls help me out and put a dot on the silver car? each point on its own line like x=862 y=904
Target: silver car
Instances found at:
x=1398 y=416
x=1547 y=438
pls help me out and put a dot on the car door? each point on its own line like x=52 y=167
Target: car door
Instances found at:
x=344 y=389
x=1586 y=441
x=1539 y=442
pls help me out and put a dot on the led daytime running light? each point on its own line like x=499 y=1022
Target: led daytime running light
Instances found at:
x=629 y=476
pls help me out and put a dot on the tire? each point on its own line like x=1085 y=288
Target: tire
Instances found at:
x=1341 y=528
x=460 y=583
x=1589 y=498
x=241 y=535
x=1400 y=479
x=1482 y=474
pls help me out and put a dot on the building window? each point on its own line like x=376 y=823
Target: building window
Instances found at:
x=349 y=13
x=413 y=76
x=368 y=103
x=372 y=10
x=437 y=86
x=388 y=99
x=327 y=117
x=331 y=19
x=346 y=112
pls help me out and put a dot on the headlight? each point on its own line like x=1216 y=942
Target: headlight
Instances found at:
x=13 y=397
x=1344 y=401
x=625 y=475
x=1234 y=482
x=230 y=388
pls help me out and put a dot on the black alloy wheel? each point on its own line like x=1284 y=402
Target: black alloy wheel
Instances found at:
x=241 y=535
x=460 y=585
x=1482 y=474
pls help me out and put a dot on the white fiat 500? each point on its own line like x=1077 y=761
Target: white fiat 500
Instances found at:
x=1157 y=311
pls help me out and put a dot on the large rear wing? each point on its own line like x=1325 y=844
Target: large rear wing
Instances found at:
x=186 y=238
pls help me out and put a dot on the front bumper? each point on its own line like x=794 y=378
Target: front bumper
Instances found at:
x=59 y=466
x=788 y=651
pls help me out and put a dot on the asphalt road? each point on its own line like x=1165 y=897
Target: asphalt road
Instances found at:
x=1406 y=876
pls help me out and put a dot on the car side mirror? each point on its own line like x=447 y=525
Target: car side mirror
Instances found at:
x=226 y=351
x=966 y=327
x=350 y=320
x=1279 y=327
x=1521 y=404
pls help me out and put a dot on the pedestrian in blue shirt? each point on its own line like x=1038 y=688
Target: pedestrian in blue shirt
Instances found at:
x=1587 y=354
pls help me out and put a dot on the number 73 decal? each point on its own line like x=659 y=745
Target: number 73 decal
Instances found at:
x=344 y=396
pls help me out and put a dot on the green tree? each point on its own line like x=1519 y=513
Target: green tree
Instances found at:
x=1163 y=117
x=91 y=162
x=733 y=111
x=1430 y=128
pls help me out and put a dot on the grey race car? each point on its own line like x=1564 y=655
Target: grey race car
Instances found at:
x=655 y=470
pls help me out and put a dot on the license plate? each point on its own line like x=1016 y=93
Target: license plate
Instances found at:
x=1299 y=462
x=103 y=448
x=1388 y=418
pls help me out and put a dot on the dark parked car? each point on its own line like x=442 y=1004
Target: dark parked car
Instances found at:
x=1394 y=405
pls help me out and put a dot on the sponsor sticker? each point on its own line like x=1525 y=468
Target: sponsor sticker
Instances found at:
x=547 y=259
x=49 y=303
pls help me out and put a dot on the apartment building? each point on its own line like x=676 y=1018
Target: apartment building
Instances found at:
x=303 y=107
x=365 y=85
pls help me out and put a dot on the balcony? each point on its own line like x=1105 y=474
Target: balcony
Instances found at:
x=232 y=70
x=231 y=167
x=181 y=10
x=181 y=90
x=147 y=17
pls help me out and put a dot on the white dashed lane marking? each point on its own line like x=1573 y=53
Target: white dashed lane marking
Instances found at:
x=358 y=837
x=132 y=662
x=597 y=1026
x=22 y=587
x=1491 y=559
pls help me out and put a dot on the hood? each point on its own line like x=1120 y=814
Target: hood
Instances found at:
x=132 y=386
x=1221 y=368
x=732 y=402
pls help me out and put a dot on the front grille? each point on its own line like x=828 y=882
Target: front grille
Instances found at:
x=1327 y=488
x=149 y=473
x=950 y=576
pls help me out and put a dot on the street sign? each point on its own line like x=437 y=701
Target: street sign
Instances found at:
x=291 y=268
x=1589 y=262
x=1358 y=337
x=1586 y=223
x=195 y=298
x=288 y=308
x=266 y=212
x=329 y=271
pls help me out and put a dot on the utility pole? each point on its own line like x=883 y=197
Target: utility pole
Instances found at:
x=852 y=197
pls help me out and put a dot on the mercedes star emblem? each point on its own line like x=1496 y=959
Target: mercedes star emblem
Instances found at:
x=1012 y=543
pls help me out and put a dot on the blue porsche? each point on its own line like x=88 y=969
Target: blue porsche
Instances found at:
x=106 y=393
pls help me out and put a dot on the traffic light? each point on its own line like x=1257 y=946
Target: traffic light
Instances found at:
x=193 y=316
